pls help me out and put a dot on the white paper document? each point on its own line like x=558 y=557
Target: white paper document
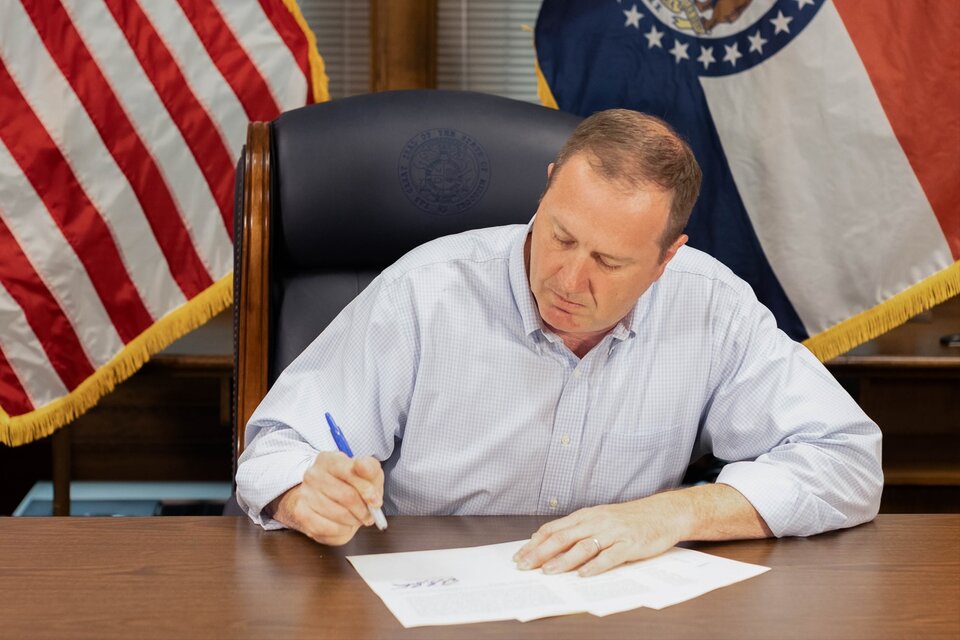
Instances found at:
x=478 y=584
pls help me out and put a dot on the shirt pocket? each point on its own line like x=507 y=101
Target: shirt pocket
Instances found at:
x=634 y=464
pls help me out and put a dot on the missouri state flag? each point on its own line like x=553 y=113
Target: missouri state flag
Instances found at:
x=120 y=125
x=828 y=132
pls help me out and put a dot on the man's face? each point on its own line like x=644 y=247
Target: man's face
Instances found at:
x=595 y=248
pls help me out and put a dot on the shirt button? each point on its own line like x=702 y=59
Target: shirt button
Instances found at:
x=576 y=373
x=553 y=503
x=564 y=440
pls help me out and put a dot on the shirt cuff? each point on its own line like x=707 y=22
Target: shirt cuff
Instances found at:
x=774 y=495
x=261 y=480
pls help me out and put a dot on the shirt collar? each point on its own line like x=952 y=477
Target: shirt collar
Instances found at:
x=627 y=328
x=521 y=285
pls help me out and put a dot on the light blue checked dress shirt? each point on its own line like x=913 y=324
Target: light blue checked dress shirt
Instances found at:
x=441 y=369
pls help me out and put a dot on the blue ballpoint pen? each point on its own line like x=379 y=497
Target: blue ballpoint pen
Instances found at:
x=338 y=437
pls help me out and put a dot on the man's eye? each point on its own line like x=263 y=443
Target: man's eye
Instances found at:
x=562 y=242
x=608 y=266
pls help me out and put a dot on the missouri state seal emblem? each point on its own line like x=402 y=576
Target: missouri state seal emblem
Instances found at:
x=443 y=171
x=717 y=37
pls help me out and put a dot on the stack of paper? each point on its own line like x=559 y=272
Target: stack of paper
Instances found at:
x=479 y=584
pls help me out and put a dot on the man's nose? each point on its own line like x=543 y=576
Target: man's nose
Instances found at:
x=575 y=276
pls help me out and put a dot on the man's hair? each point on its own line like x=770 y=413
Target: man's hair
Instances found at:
x=639 y=150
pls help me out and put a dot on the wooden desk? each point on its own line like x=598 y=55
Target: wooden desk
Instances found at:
x=223 y=577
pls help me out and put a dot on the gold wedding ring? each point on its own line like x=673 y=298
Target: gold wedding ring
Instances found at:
x=597 y=542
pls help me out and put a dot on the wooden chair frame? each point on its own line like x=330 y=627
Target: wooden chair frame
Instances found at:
x=252 y=315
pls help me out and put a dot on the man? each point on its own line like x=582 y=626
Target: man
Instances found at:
x=573 y=366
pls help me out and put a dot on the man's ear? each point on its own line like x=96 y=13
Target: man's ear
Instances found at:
x=670 y=252
x=547 y=186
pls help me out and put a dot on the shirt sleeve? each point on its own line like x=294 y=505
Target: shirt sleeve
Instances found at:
x=806 y=456
x=360 y=369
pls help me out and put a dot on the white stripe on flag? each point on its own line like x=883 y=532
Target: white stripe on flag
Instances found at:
x=63 y=116
x=208 y=86
x=159 y=133
x=55 y=262
x=818 y=193
x=26 y=357
x=267 y=50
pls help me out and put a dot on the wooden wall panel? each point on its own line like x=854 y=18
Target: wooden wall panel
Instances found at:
x=909 y=383
x=170 y=421
x=403 y=44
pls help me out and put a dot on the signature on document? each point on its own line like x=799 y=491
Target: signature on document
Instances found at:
x=427 y=582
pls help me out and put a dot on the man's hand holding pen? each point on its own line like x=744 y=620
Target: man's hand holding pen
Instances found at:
x=334 y=499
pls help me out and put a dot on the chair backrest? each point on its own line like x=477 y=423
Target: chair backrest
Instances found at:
x=329 y=195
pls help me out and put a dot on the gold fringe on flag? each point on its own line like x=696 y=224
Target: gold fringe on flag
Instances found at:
x=887 y=315
x=318 y=73
x=45 y=420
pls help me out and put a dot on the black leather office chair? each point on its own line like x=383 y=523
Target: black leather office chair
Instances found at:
x=329 y=195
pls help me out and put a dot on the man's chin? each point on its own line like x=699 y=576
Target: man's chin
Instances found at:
x=559 y=320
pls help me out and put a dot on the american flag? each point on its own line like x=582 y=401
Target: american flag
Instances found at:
x=120 y=123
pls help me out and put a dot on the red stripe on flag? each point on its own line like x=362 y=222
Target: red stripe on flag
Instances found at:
x=12 y=395
x=293 y=36
x=43 y=313
x=911 y=51
x=76 y=63
x=193 y=121
x=50 y=174
x=231 y=59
